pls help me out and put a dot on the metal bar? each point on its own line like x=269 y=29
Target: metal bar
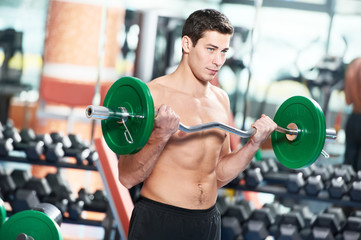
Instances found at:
x=287 y=131
x=204 y=126
x=103 y=113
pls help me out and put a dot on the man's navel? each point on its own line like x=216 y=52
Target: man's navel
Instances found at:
x=201 y=194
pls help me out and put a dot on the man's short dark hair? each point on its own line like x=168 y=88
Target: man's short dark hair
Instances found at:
x=206 y=20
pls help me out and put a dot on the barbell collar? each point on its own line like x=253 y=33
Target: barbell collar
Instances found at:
x=331 y=134
x=102 y=113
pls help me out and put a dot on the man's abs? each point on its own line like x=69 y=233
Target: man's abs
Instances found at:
x=181 y=188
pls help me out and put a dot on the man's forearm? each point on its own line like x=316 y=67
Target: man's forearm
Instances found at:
x=234 y=163
x=134 y=169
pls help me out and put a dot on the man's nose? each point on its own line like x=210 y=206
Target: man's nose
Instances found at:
x=218 y=59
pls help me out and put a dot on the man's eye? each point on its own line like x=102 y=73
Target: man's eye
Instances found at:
x=210 y=49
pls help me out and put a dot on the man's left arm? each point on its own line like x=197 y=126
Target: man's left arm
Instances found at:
x=231 y=164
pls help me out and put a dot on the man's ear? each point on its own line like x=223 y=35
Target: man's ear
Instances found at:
x=186 y=44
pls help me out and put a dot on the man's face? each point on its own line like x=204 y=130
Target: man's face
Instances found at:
x=209 y=55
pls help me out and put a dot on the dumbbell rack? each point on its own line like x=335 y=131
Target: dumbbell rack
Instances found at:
x=275 y=183
x=60 y=164
x=281 y=192
x=18 y=157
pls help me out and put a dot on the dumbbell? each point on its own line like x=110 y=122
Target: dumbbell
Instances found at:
x=6 y=143
x=306 y=213
x=96 y=201
x=346 y=172
x=24 y=199
x=87 y=201
x=8 y=138
x=40 y=186
x=253 y=177
x=6 y=146
x=12 y=192
x=75 y=208
x=28 y=193
x=230 y=228
x=297 y=179
x=32 y=147
x=272 y=165
x=241 y=210
x=54 y=146
x=59 y=186
x=40 y=223
x=58 y=137
x=318 y=180
x=257 y=227
x=328 y=224
x=20 y=177
x=93 y=157
x=34 y=191
x=61 y=193
x=79 y=149
x=295 y=182
x=7 y=186
x=355 y=191
x=256 y=171
x=340 y=183
x=352 y=228
x=11 y=132
x=63 y=147
x=55 y=150
x=23 y=141
x=233 y=218
x=290 y=226
x=100 y=201
x=314 y=185
x=345 y=181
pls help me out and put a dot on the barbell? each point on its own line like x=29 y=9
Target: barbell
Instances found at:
x=128 y=114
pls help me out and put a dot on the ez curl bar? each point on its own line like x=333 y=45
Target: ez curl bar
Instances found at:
x=130 y=103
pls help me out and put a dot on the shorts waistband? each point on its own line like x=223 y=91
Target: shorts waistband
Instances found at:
x=178 y=210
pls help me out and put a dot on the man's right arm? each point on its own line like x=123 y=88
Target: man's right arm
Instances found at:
x=135 y=168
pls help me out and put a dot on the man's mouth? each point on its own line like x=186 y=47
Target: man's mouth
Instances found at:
x=213 y=71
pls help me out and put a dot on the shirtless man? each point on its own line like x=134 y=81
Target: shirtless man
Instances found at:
x=353 y=125
x=182 y=172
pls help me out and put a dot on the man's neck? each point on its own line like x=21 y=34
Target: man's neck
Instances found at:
x=187 y=82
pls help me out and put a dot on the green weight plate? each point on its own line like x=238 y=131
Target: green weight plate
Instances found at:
x=134 y=95
x=2 y=212
x=32 y=223
x=309 y=118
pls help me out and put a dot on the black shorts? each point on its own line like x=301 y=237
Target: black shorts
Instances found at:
x=153 y=220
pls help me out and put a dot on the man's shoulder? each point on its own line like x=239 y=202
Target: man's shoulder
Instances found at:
x=219 y=92
x=158 y=84
x=160 y=88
